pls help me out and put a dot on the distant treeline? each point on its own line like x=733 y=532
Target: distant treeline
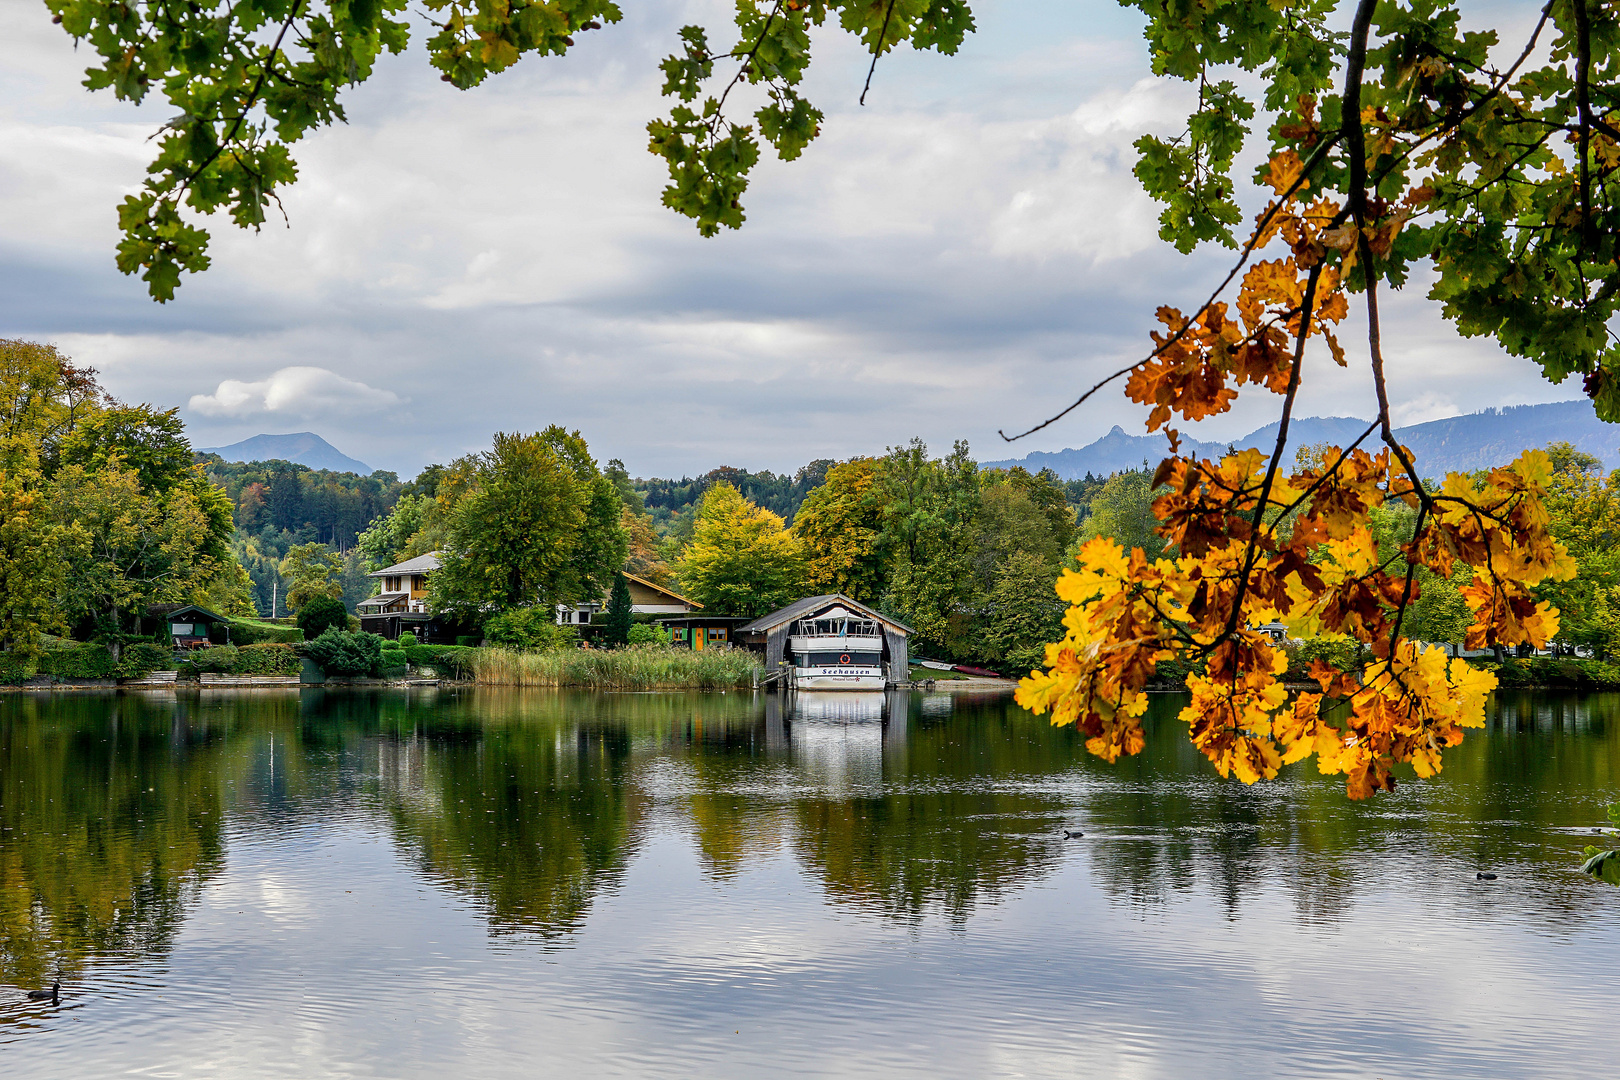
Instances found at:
x=781 y=494
x=312 y=505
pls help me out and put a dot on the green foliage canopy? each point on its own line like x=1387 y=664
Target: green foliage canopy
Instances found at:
x=742 y=560
x=320 y=614
x=531 y=522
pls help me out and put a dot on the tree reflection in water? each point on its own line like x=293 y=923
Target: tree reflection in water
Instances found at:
x=532 y=803
x=1162 y=823
x=110 y=821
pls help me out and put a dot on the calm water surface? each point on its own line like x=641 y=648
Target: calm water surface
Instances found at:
x=486 y=884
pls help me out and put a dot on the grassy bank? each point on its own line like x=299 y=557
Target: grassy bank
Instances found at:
x=640 y=667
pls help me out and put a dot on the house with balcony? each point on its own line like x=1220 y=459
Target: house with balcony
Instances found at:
x=401 y=602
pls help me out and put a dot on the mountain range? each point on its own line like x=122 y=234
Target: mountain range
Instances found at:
x=1479 y=440
x=302 y=448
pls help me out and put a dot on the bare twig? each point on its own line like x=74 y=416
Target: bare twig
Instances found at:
x=877 y=50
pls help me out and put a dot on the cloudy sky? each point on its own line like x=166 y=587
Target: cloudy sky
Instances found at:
x=958 y=256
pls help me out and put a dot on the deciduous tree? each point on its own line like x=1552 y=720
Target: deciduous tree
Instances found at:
x=311 y=571
x=531 y=522
x=742 y=560
x=840 y=524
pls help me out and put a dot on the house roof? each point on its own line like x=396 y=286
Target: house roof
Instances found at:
x=660 y=588
x=382 y=599
x=699 y=620
x=169 y=611
x=419 y=565
x=811 y=605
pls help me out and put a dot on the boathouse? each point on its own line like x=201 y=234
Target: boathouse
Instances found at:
x=190 y=626
x=770 y=634
x=699 y=632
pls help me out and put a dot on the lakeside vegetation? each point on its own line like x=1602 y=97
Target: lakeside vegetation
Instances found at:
x=639 y=667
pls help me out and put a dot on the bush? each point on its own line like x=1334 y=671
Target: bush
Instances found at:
x=648 y=634
x=531 y=629
x=141 y=658
x=270 y=658
x=453 y=661
x=321 y=613
x=407 y=639
x=392 y=671
x=339 y=652
x=84 y=660
x=215 y=660
x=468 y=641
x=14 y=669
x=254 y=632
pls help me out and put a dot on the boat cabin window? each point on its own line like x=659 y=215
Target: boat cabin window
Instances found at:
x=819 y=658
x=837 y=628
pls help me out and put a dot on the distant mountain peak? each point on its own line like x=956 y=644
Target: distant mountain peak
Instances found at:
x=301 y=448
x=1479 y=440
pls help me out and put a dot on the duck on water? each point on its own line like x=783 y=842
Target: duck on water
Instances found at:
x=53 y=995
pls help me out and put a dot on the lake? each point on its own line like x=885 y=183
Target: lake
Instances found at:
x=478 y=883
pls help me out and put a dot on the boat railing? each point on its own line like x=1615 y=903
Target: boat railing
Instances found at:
x=837 y=628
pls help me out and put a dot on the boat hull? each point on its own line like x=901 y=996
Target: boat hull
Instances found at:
x=822 y=679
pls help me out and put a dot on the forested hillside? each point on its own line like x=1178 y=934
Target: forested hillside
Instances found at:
x=277 y=505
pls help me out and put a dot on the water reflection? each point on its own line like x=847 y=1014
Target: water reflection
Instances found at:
x=532 y=806
x=109 y=823
x=1511 y=800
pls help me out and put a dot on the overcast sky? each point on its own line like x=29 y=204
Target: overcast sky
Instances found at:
x=959 y=256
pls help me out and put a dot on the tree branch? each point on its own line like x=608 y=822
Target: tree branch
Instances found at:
x=1248 y=249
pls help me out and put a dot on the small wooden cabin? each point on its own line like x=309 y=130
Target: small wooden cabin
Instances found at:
x=646 y=598
x=190 y=626
x=769 y=634
x=703 y=631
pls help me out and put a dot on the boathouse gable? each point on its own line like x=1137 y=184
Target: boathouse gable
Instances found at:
x=770 y=634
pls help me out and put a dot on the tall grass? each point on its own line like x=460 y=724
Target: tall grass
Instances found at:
x=640 y=667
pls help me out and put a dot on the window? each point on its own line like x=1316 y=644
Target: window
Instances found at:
x=180 y=629
x=836 y=659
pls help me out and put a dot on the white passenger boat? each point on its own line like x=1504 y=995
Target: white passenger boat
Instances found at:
x=836 y=650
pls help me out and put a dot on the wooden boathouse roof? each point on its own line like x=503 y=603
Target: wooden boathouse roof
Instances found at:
x=811 y=605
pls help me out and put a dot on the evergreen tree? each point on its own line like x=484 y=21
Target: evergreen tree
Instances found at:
x=619 y=615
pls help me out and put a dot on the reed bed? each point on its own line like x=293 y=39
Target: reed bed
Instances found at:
x=640 y=667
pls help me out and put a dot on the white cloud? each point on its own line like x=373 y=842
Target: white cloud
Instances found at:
x=1431 y=405
x=307 y=392
x=964 y=254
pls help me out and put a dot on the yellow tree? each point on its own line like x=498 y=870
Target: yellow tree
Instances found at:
x=311 y=571
x=128 y=547
x=840 y=524
x=742 y=560
x=31 y=562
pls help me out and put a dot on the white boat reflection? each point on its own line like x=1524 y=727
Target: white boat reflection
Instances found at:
x=835 y=707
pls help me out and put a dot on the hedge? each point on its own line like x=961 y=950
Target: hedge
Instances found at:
x=82 y=660
x=253 y=632
x=141 y=658
x=14 y=669
x=270 y=658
